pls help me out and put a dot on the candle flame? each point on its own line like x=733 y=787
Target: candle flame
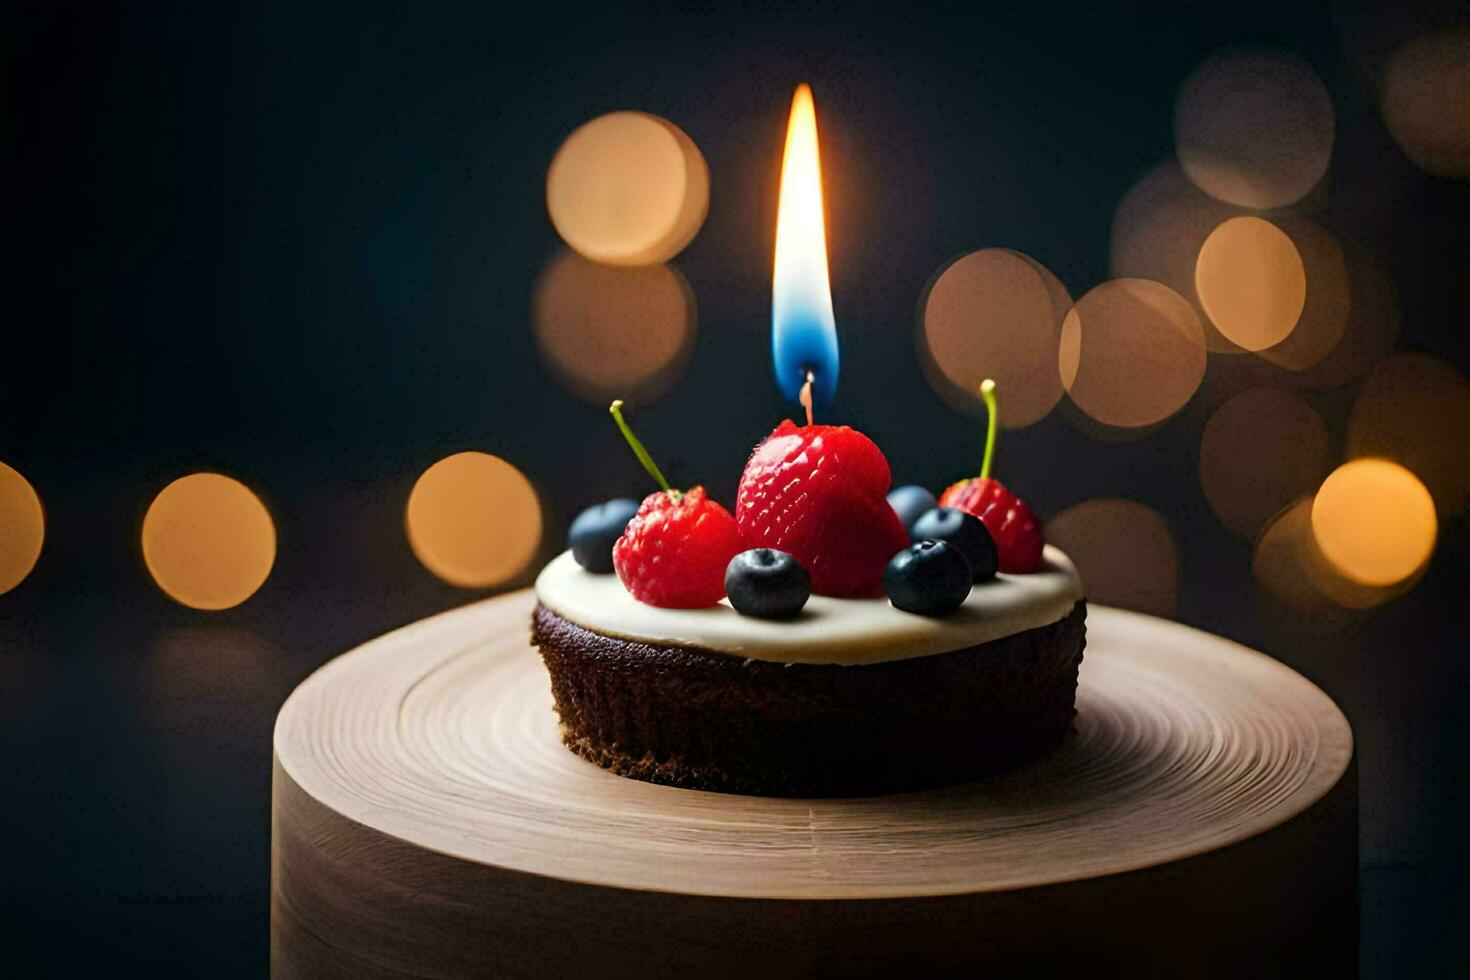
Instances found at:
x=803 y=328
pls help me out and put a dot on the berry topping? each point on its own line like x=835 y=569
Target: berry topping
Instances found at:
x=911 y=503
x=596 y=530
x=1015 y=530
x=817 y=493
x=675 y=550
x=931 y=578
x=965 y=532
x=767 y=583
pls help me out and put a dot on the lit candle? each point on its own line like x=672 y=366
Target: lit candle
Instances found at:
x=803 y=328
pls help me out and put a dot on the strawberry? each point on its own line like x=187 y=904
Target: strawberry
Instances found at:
x=675 y=550
x=1015 y=529
x=817 y=492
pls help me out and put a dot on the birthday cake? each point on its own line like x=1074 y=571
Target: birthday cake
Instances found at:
x=827 y=638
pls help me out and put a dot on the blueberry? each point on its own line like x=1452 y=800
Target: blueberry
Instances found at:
x=966 y=532
x=767 y=583
x=596 y=530
x=910 y=503
x=930 y=578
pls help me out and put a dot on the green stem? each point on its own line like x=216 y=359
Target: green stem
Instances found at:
x=648 y=464
x=987 y=392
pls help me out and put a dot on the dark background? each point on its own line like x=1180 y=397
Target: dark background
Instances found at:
x=298 y=246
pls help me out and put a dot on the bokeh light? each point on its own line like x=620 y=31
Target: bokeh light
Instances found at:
x=628 y=188
x=1415 y=409
x=1132 y=352
x=208 y=541
x=1287 y=562
x=1260 y=450
x=1251 y=282
x=609 y=332
x=994 y=313
x=1373 y=321
x=1426 y=101
x=22 y=528
x=1327 y=302
x=1374 y=521
x=474 y=520
x=1254 y=128
x=1280 y=556
x=1124 y=552
x=1158 y=229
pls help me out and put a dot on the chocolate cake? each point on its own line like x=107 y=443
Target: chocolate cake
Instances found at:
x=852 y=697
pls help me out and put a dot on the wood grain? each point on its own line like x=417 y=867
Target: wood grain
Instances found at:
x=427 y=821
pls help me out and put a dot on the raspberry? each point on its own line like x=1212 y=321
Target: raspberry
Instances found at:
x=675 y=550
x=817 y=492
x=1016 y=530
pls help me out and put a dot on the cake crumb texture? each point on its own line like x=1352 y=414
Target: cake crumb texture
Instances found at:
x=700 y=719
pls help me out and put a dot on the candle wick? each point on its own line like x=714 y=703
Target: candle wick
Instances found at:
x=806 y=396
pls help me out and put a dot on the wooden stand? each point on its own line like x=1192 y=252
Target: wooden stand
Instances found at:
x=427 y=822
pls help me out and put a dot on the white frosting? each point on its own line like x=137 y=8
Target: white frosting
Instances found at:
x=828 y=631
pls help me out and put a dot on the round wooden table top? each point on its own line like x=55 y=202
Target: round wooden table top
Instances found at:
x=442 y=735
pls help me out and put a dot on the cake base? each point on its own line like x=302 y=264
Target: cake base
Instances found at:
x=427 y=821
x=701 y=719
